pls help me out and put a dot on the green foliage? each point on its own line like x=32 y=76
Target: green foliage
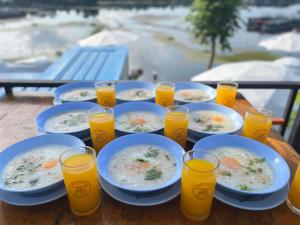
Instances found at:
x=214 y=20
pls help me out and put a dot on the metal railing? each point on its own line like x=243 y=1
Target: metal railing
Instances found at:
x=293 y=86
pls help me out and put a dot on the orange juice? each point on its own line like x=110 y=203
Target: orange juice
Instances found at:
x=164 y=94
x=257 y=126
x=102 y=129
x=106 y=96
x=226 y=94
x=82 y=183
x=294 y=194
x=176 y=126
x=197 y=188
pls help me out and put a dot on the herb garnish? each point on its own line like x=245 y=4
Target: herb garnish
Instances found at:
x=243 y=187
x=153 y=174
x=153 y=153
x=211 y=127
x=225 y=173
x=33 y=181
x=141 y=160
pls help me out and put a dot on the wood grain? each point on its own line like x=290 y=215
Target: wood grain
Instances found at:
x=17 y=116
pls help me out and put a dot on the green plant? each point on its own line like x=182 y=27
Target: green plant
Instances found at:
x=213 y=22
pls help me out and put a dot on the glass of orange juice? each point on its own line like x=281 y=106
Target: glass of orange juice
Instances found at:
x=165 y=94
x=293 y=200
x=198 y=183
x=105 y=91
x=102 y=126
x=79 y=169
x=176 y=123
x=226 y=93
x=257 y=123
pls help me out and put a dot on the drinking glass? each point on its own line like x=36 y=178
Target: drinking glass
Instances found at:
x=105 y=91
x=79 y=169
x=102 y=126
x=176 y=123
x=293 y=200
x=165 y=94
x=257 y=123
x=198 y=183
x=226 y=93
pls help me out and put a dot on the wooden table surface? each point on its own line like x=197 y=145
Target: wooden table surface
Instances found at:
x=17 y=116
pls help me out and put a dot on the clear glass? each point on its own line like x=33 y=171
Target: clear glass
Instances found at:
x=106 y=94
x=257 y=123
x=176 y=123
x=102 y=126
x=79 y=169
x=293 y=200
x=198 y=183
x=226 y=93
x=165 y=94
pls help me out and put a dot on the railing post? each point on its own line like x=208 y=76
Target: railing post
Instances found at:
x=294 y=138
x=288 y=110
x=8 y=90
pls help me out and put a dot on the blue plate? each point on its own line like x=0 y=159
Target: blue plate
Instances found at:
x=191 y=85
x=44 y=116
x=29 y=144
x=141 y=199
x=139 y=106
x=232 y=114
x=117 y=145
x=87 y=140
x=57 y=101
x=126 y=85
x=253 y=202
x=20 y=199
x=278 y=164
x=73 y=86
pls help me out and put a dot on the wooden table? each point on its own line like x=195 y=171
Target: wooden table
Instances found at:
x=17 y=116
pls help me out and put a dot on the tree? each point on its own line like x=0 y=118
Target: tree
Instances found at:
x=213 y=22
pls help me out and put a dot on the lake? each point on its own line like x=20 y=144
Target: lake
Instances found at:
x=165 y=44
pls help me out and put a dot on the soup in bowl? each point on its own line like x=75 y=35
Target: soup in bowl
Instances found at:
x=188 y=92
x=135 y=91
x=78 y=91
x=246 y=166
x=207 y=119
x=139 y=117
x=68 y=118
x=141 y=162
x=32 y=165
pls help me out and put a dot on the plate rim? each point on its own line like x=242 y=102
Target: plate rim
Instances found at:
x=140 y=204
x=57 y=192
x=283 y=191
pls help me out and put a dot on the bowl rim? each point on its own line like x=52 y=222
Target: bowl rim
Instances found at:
x=139 y=103
x=213 y=96
x=59 y=91
x=171 y=181
x=266 y=148
x=237 y=128
x=65 y=108
x=124 y=83
x=26 y=140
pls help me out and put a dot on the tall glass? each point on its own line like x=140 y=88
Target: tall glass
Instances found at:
x=226 y=93
x=165 y=94
x=79 y=169
x=198 y=183
x=105 y=91
x=293 y=200
x=176 y=123
x=102 y=126
x=257 y=123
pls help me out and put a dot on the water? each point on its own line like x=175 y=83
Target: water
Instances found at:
x=165 y=45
